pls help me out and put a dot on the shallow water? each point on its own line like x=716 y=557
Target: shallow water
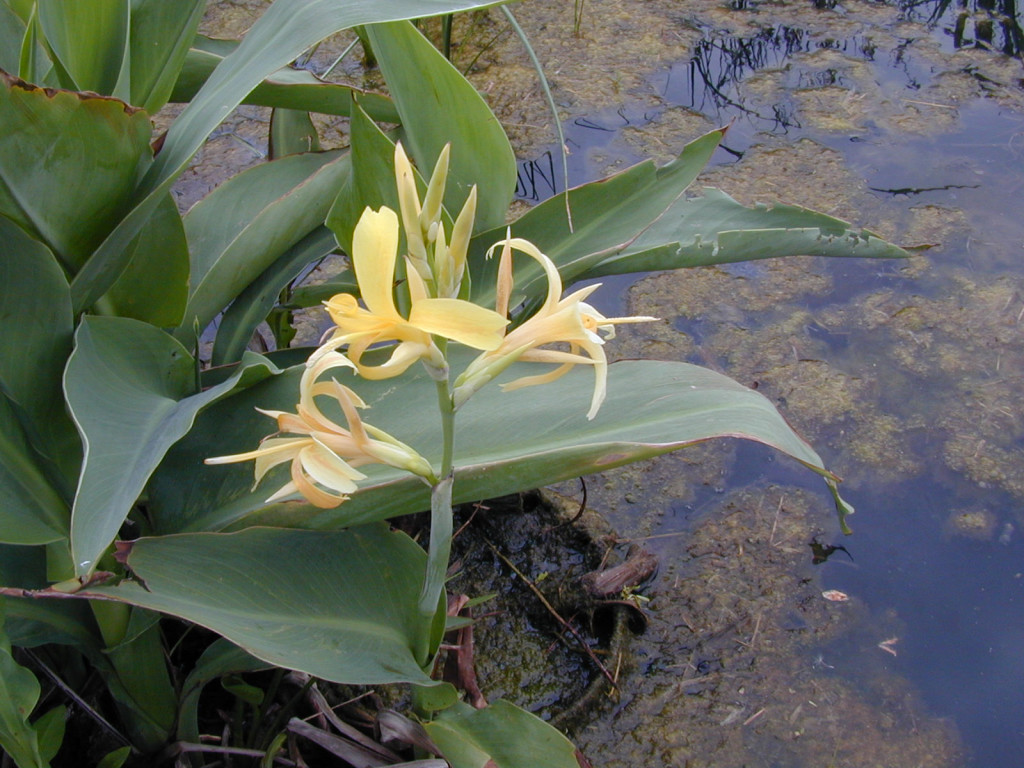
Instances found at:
x=905 y=375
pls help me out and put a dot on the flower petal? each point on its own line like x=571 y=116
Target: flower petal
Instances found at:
x=460 y=321
x=374 y=250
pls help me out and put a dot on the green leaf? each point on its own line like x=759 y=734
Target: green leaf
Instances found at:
x=89 y=39
x=244 y=226
x=314 y=295
x=239 y=321
x=161 y=35
x=505 y=441
x=499 y=736
x=440 y=545
x=103 y=146
x=36 y=301
x=371 y=182
x=141 y=682
x=291 y=132
x=12 y=33
x=450 y=110
x=237 y=687
x=23 y=9
x=32 y=622
x=33 y=512
x=607 y=216
x=130 y=389
x=219 y=658
x=287 y=29
x=19 y=692
x=114 y=759
x=287 y=88
x=341 y=605
x=640 y=220
x=715 y=229
x=154 y=285
x=50 y=731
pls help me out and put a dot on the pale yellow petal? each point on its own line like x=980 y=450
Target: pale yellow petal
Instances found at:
x=461 y=321
x=284 y=491
x=309 y=491
x=264 y=449
x=550 y=270
x=434 y=197
x=543 y=378
x=329 y=469
x=276 y=450
x=462 y=231
x=405 y=354
x=374 y=250
x=409 y=204
x=503 y=290
x=417 y=287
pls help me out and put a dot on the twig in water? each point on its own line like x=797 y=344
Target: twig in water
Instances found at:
x=551 y=609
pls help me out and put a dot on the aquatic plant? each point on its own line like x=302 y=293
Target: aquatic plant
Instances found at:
x=109 y=517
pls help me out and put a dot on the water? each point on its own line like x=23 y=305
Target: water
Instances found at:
x=923 y=364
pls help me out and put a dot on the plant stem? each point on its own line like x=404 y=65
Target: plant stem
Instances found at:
x=447 y=409
x=441 y=525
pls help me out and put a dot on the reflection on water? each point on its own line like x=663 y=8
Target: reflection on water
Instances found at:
x=906 y=376
x=709 y=81
x=990 y=24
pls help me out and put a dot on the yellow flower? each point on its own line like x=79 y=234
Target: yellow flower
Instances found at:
x=374 y=252
x=439 y=262
x=569 y=320
x=325 y=455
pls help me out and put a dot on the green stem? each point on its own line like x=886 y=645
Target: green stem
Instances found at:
x=440 y=505
x=447 y=408
x=446 y=33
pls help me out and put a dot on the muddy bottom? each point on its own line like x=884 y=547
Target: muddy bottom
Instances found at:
x=747 y=663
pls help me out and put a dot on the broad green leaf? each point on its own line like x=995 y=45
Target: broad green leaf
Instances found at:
x=314 y=295
x=19 y=692
x=372 y=181
x=161 y=34
x=154 y=286
x=339 y=605
x=440 y=545
x=505 y=441
x=607 y=216
x=287 y=29
x=50 y=731
x=244 y=226
x=450 y=110
x=141 y=683
x=32 y=622
x=12 y=33
x=131 y=389
x=220 y=658
x=239 y=321
x=32 y=512
x=23 y=9
x=114 y=759
x=35 y=300
x=287 y=88
x=291 y=132
x=715 y=229
x=102 y=146
x=89 y=39
x=640 y=220
x=500 y=735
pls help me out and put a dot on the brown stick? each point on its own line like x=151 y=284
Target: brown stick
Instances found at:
x=637 y=568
